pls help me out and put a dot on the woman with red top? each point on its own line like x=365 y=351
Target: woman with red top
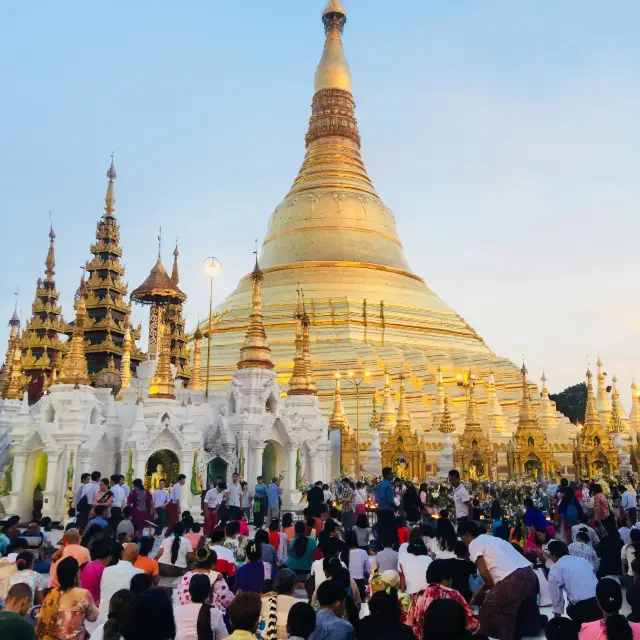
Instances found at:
x=438 y=588
x=403 y=532
x=104 y=498
x=274 y=536
x=142 y=506
x=600 y=505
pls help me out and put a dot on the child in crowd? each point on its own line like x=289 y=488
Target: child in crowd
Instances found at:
x=71 y=520
x=245 y=504
x=363 y=532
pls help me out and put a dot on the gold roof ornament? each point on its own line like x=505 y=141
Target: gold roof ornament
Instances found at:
x=374 y=421
x=255 y=354
x=175 y=276
x=617 y=418
x=337 y=419
x=299 y=383
x=110 y=200
x=15 y=386
x=195 y=380
x=162 y=384
x=12 y=343
x=446 y=423
x=526 y=413
x=74 y=367
x=403 y=423
x=591 y=419
x=50 y=262
x=333 y=71
x=634 y=414
x=603 y=402
x=158 y=288
x=387 y=412
x=125 y=361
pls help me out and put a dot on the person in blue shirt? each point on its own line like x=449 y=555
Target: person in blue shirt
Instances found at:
x=99 y=520
x=329 y=624
x=273 y=494
x=259 y=502
x=387 y=530
x=301 y=550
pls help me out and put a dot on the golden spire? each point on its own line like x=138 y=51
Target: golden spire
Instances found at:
x=446 y=423
x=74 y=366
x=333 y=71
x=546 y=405
x=255 y=354
x=298 y=383
x=306 y=352
x=15 y=386
x=387 y=412
x=50 y=262
x=615 y=419
x=591 y=419
x=402 y=416
x=174 y=273
x=194 y=381
x=337 y=420
x=472 y=419
x=374 y=422
x=634 y=415
x=13 y=342
x=526 y=414
x=162 y=385
x=125 y=361
x=603 y=402
x=110 y=200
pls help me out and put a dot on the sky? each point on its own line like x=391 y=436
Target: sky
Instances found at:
x=504 y=136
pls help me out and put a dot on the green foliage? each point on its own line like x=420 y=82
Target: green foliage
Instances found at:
x=572 y=402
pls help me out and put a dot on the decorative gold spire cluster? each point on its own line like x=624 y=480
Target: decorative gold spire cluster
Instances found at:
x=603 y=402
x=616 y=418
x=195 y=382
x=74 y=366
x=387 y=412
x=180 y=353
x=107 y=309
x=162 y=384
x=306 y=351
x=446 y=423
x=255 y=354
x=634 y=414
x=374 y=421
x=12 y=344
x=299 y=383
x=125 y=361
x=438 y=405
x=403 y=423
x=591 y=419
x=337 y=420
x=41 y=344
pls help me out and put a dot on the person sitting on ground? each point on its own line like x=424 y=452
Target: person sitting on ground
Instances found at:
x=195 y=536
x=126 y=524
x=334 y=569
x=439 y=587
x=384 y=619
x=362 y=530
x=359 y=565
x=153 y=617
x=91 y=573
x=301 y=622
x=594 y=538
x=175 y=553
x=71 y=520
x=244 y=614
x=561 y=629
x=267 y=552
x=387 y=558
x=13 y=624
x=254 y=572
x=121 y=611
x=140 y=583
x=196 y=618
x=220 y=595
x=287 y=526
x=301 y=550
x=447 y=620
x=575 y=576
x=633 y=592
x=329 y=622
x=583 y=549
x=462 y=569
x=226 y=560
x=613 y=626
x=414 y=566
x=310 y=527
x=331 y=549
x=99 y=518
x=117 y=577
x=277 y=604
x=609 y=550
x=442 y=546
x=628 y=554
x=149 y=565
x=26 y=575
x=403 y=532
x=233 y=542
x=504 y=530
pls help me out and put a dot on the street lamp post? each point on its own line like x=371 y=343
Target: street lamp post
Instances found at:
x=212 y=269
x=356 y=382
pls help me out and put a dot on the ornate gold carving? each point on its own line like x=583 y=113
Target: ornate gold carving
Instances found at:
x=74 y=366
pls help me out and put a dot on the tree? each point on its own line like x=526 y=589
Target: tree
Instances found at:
x=572 y=402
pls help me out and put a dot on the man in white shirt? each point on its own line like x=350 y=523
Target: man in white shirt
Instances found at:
x=233 y=501
x=510 y=583
x=628 y=503
x=86 y=500
x=212 y=501
x=119 y=501
x=160 y=498
x=461 y=498
x=172 y=510
x=575 y=576
x=117 y=577
x=124 y=487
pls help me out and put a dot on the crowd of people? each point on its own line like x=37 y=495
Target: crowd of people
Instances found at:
x=332 y=572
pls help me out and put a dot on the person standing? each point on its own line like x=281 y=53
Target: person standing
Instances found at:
x=124 y=486
x=461 y=498
x=85 y=503
x=273 y=496
x=234 y=492
x=212 y=501
x=575 y=576
x=259 y=502
x=348 y=504
x=387 y=530
x=510 y=584
x=141 y=502
x=160 y=497
x=316 y=498
x=629 y=503
x=119 y=501
x=172 y=510
x=360 y=499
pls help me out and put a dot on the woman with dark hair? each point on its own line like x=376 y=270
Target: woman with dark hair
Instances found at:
x=175 y=553
x=534 y=519
x=220 y=595
x=103 y=498
x=384 y=619
x=267 y=552
x=334 y=570
x=121 y=609
x=26 y=575
x=360 y=499
x=570 y=510
x=276 y=606
x=613 y=626
x=609 y=550
x=414 y=566
x=153 y=617
x=287 y=526
x=255 y=571
x=358 y=562
x=66 y=607
x=497 y=513
x=411 y=504
x=197 y=619
x=446 y=620
x=442 y=546
x=142 y=506
x=601 y=509
x=363 y=531
x=301 y=550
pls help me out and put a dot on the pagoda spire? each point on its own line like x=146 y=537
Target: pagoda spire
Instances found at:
x=13 y=342
x=546 y=405
x=634 y=415
x=16 y=379
x=495 y=415
x=387 y=411
x=125 y=361
x=333 y=70
x=175 y=276
x=306 y=351
x=180 y=354
x=620 y=421
x=110 y=200
x=74 y=366
x=162 y=384
x=446 y=423
x=256 y=354
x=50 y=262
x=403 y=423
x=374 y=421
x=195 y=380
x=472 y=420
x=299 y=383
x=603 y=402
x=438 y=405
x=526 y=413
x=591 y=419
x=337 y=419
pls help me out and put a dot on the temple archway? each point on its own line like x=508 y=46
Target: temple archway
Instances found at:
x=216 y=468
x=476 y=469
x=35 y=481
x=169 y=471
x=533 y=468
x=272 y=460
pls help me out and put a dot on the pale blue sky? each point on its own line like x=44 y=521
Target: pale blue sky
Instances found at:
x=504 y=135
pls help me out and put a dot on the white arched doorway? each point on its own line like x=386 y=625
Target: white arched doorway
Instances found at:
x=273 y=460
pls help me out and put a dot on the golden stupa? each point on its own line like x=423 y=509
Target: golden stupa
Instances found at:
x=334 y=236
